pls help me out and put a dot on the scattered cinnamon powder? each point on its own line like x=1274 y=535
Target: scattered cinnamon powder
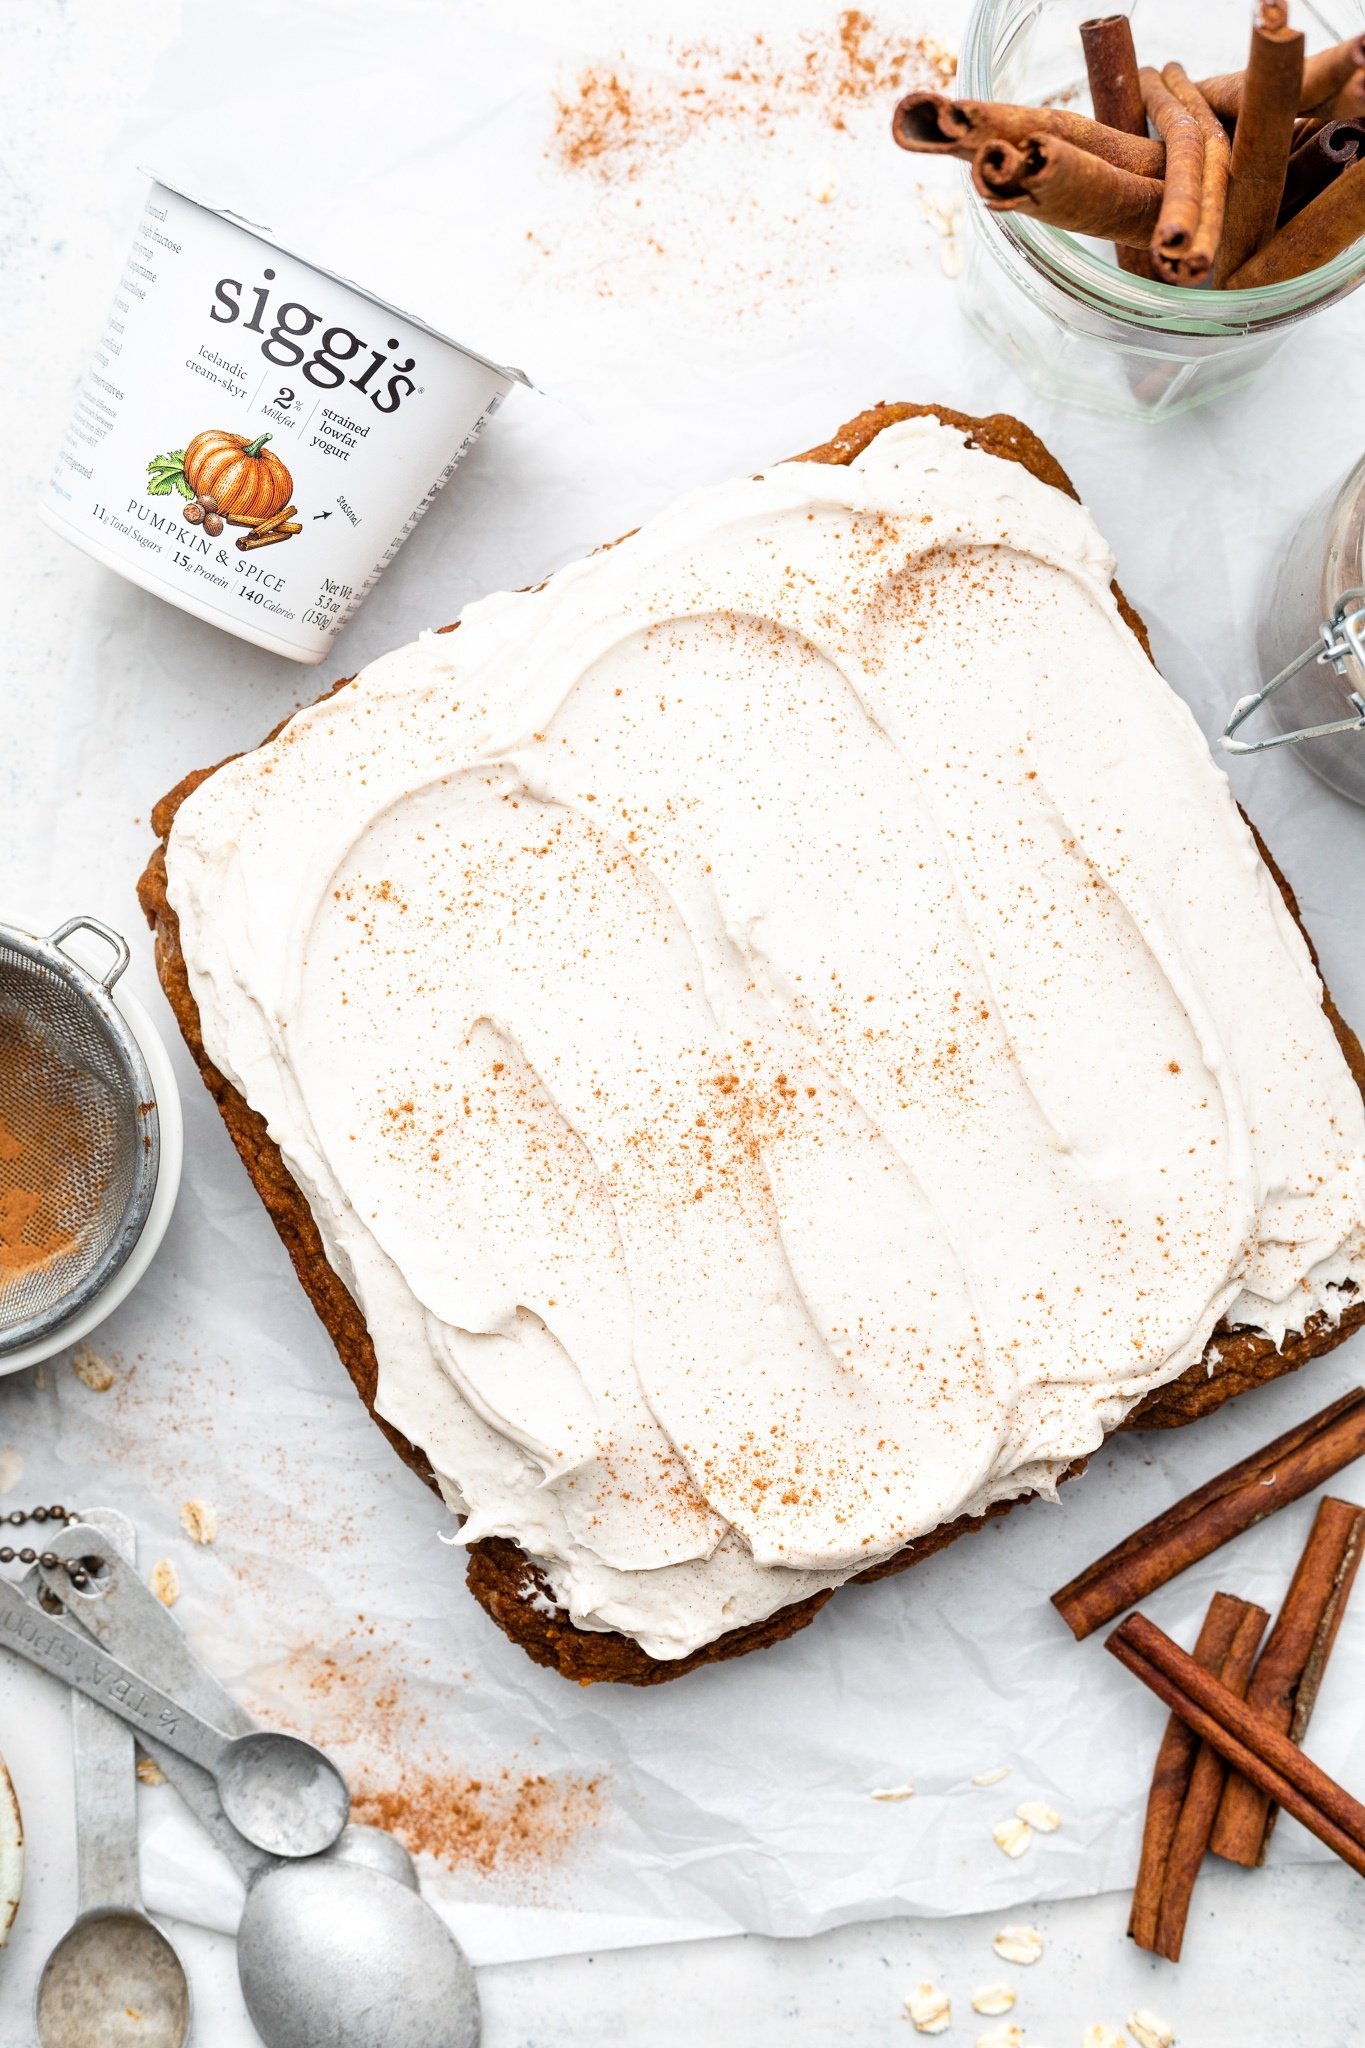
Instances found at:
x=492 y=1825
x=610 y=118
x=360 y=1702
x=746 y=171
x=354 y=1693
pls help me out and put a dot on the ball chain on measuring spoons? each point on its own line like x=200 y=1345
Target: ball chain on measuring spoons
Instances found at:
x=17 y=1517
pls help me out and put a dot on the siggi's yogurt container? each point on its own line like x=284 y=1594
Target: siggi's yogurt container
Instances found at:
x=256 y=438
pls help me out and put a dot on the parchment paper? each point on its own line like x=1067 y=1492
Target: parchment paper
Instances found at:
x=712 y=289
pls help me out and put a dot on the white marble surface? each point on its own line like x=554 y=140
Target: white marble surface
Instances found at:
x=1270 y=1959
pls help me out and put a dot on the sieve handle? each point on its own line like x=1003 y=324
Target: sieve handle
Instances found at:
x=103 y=931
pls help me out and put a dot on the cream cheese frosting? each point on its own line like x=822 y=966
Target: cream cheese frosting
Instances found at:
x=782 y=1029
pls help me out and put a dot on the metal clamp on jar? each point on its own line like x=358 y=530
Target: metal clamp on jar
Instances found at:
x=1311 y=637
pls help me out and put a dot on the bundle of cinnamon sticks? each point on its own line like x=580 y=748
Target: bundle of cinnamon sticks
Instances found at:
x=1237 y=181
x=1230 y=1756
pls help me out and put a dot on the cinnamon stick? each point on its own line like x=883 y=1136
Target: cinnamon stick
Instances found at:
x=1326 y=226
x=1292 y=1465
x=1244 y=1737
x=264 y=525
x=1213 y=189
x=266 y=536
x=1171 y=1776
x=1328 y=72
x=1050 y=180
x=1289 y=1670
x=1116 y=96
x=930 y=123
x=1349 y=104
x=1262 y=139
x=1318 y=160
x=1325 y=73
x=921 y=122
x=1112 y=68
x=1178 y=221
x=1207 y=1779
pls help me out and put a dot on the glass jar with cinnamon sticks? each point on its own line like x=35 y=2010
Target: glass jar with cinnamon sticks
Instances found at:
x=1174 y=272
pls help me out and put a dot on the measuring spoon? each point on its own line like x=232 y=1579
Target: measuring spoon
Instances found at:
x=280 y=1792
x=126 y=1616
x=341 y=1949
x=113 y=1976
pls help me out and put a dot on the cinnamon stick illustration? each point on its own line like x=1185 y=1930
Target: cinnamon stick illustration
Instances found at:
x=1051 y=180
x=932 y=124
x=1289 y=1671
x=1262 y=138
x=264 y=525
x=266 y=536
x=1177 y=224
x=1326 y=226
x=1116 y=96
x=1213 y=187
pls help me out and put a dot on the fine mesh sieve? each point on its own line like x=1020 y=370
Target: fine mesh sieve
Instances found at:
x=79 y=1135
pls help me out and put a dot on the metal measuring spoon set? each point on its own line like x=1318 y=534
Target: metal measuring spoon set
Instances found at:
x=336 y=1948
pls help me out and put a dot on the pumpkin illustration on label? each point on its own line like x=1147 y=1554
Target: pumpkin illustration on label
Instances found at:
x=245 y=477
x=228 y=480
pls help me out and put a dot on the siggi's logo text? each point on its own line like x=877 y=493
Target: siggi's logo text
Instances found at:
x=291 y=326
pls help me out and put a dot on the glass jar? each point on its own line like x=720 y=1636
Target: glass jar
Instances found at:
x=1074 y=325
x=1321 y=564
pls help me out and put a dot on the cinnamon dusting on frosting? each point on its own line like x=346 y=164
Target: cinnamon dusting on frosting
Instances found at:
x=751 y=1021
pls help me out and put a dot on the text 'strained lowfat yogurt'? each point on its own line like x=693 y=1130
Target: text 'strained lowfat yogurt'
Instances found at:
x=255 y=439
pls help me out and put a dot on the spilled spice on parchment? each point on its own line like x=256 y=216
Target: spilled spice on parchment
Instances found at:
x=749 y=175
x=611 y=118
x=505 y=1822
x=500 y=1824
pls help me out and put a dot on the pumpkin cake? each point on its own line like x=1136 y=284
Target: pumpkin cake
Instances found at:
x=765 y=1048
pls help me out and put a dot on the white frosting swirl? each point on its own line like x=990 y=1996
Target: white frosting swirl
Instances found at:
x=782 y=1029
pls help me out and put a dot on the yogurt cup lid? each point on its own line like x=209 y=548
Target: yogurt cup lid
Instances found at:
x=264 y=233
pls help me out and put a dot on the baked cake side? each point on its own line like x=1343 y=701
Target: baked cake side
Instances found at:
x=503 y=1578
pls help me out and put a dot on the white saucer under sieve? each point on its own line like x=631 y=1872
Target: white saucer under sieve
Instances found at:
x=66 y=1053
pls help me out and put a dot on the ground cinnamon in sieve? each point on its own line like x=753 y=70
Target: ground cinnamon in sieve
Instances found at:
x=41 y=1137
